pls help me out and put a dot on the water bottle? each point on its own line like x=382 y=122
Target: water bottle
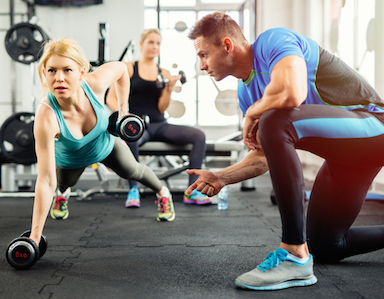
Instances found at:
x=223 y=198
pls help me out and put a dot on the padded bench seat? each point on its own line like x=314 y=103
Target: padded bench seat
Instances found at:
x=214 y=148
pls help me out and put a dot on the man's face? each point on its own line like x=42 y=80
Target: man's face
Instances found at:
x=213 y=59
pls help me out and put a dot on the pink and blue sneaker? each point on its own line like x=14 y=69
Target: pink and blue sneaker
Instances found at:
x=196 y=198
x=133 y=199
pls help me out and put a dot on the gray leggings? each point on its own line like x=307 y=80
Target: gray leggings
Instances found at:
x=121 y=161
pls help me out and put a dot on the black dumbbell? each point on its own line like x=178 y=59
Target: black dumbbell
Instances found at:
x=22 y=253
x=129 y=128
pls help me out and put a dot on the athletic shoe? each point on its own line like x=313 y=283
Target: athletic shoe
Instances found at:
x=196 y=198
x=133 y=199
x=278 y=271
x=59 y=208
x=165 y=208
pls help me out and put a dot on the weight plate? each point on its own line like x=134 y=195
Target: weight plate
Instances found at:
x=43 y=245
x=24 y=42
x=17 y=143
x=22 y=253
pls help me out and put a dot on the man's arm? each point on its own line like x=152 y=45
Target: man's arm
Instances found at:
x=287 y=89
x=210 y=183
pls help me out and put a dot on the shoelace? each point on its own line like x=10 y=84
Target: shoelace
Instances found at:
x=164 y=205
x=59 y=201
x=272 y=260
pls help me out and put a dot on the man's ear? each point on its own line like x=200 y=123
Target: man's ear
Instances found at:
x=228 y=44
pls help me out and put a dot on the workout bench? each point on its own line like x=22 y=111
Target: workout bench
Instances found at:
x=228 y=150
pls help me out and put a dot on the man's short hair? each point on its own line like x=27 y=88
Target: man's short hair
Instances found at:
x=215 y=26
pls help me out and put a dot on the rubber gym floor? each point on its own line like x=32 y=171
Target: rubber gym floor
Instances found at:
x=104 y=250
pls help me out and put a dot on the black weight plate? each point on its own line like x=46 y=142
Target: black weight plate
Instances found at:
x=22 y=253
x=17 y=131
x=24 y=42
x=112 y=123
x=131 y=128
x=43 y=245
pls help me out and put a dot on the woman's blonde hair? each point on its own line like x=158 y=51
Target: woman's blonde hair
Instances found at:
x=65 y=47
x=148 y=32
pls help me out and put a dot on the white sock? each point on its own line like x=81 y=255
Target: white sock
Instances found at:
x=297 y=259
x=166 y=194
x=63 y=194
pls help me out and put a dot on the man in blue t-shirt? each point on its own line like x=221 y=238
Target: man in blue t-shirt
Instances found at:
x=296 y=95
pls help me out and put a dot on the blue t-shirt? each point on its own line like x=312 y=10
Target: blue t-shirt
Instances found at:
x=72 y=153
x=330 y=81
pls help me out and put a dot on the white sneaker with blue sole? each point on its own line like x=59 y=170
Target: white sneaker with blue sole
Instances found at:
x=277 y=272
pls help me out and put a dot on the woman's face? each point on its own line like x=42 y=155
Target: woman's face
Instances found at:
x=150 y=47
x=63 y=76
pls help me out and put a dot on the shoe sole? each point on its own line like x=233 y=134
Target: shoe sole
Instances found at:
x=284 y=285
x=167 y=219
x=195 y=202
x=132 y=206
x=59 y=218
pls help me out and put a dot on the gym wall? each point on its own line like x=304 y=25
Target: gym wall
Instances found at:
x=125 y=20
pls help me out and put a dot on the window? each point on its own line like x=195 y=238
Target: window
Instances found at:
x=177 y=52
x=352 y=47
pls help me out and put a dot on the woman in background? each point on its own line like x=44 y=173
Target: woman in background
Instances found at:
x=151 y=96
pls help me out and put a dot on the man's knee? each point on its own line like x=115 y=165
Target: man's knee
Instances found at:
x=324 y=252
x=274 y=124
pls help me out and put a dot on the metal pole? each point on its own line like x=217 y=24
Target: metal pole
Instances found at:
x=11 y=11
x=158 y=14
x=197 y=83
x=379 y=47
x=158 y=24
x=13 y=63
x=355 y=36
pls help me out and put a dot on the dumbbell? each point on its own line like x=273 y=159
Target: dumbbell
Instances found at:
x=182 y=78
x=161 y=82
x=129 y=128
x=22 y=253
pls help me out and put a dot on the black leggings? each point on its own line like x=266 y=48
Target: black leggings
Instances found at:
x=352 y=145
x=174 y=134
x=121 y=161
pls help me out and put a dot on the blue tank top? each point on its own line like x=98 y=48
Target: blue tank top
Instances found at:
x=72 y=153
x=350 y=92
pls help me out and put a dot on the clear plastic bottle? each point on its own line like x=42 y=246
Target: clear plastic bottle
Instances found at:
x=223 y=199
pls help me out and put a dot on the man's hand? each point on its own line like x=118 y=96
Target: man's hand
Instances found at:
x=250 y=130
x=208 y=182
